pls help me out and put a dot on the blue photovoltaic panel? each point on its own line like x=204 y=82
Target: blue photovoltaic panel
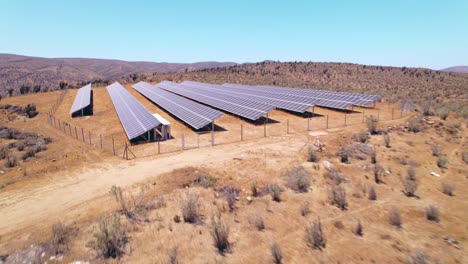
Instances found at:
x=314 y=99
x=82 y=99
x=245 y=108
x=194 y=114
x=287 y=102
x=135 y=118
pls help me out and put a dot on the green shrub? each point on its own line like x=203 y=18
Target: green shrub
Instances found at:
x=110 y=238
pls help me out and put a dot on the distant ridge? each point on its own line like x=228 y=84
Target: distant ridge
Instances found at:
x=41 y=74
x=458 y=69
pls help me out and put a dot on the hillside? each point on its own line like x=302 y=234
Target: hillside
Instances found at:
x=43 y=74
x=459 y=69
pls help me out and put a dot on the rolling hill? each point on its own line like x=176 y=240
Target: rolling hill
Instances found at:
x=458 y=69
x=43 y=74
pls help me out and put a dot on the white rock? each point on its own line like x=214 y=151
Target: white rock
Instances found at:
x=435 y=174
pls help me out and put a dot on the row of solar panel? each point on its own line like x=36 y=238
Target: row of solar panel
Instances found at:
x=82 y=99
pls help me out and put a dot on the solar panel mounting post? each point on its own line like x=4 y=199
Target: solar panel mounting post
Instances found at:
x=327 y=121
x=76 y=133
x=287 y=126
x=242 y=132
x=212 y=133
x=183 y=142
x=82 y=134
x=345 y=115
x=264 y=126
x=89 y=132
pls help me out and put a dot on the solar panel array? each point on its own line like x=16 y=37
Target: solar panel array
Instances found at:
x=242 y=107
x=342 y=99
x=135 y=118
x=82 y=99
x=288 y=102
x=194 y=114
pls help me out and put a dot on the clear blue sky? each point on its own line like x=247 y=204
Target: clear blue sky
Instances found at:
x=431 y=34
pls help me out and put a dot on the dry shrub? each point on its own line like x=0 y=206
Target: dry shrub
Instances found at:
x=374 y=156
x=442 y=113
x=378 y=171
x=191 y=208
x=298 y=179
x=415 y=124
x=312 y=155
x=276 y=253
x=372 y=124
x=448 y=189
x=345 y=153
x=432 y=213
x=60 y=238
x=411 y=173
x=3 y=152
x=436 y=150
x=387 y=140
x=135 y=209
x=338 y=224
x=305 y=209
x=172 y=257
x=419 y=257
x=337 y=196
x=11 y=160
x=362 y=137
x=442 y=161
x=220 y=235
x=274 y=190
x=110 y=238
x=372 y=195
x=465 y=156
x=259 y=222
x=231 y=198
x=335 y=175
x=206 y=181
x=394 y=217
x=254 y=189
x=410 y=186
x=358 y=230
x=314 y=235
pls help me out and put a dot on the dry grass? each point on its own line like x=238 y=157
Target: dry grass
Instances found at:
x=220 y=235
x=191 y=208
x=110 y=238
x=298 y=179
x=448 y=189
x=314 y=235
x=372 y=194
x=337 y=196
x=394 y=217
x=276 y=253
x=432 y=213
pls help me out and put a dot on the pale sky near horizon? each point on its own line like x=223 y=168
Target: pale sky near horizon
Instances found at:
x=431 y=34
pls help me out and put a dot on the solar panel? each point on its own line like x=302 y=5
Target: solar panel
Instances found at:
x=316 y=100
x=82 y=99
x=135 y=118
x=287 y=102
x=245 y=108
x=194 y=114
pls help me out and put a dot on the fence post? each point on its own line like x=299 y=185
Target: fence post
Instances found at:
x=362 y=116
x=378 y=114
x=401 y=113
x=159 y=147
x=89 y=132
x=308 y=124
x=392 y=113
x=212 y=133
x=287 y=126
x=345 y=115
x=183 y=142
x=100 y=136
x=82 y=134
x=60 y=127
x=242 y=132
x=76 y=133
x=113 y=145
x=198 y=140
x=69 y=128
x=327 y=121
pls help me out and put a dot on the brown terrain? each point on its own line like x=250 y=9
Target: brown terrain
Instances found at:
x=57 y=206
x=37 y=74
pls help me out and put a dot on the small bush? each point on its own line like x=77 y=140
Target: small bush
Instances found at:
x=276 y=253
x=206 y=181
x=60 y=238
x=254 y=189
x=275 y=192
x=173 y=256
x=395 y=217
x=337 y=197
x=443 y=113
x=110 y=238
x=374 y=156
x=442 y=161
x=30 y=152
x=358 y=230
x=448 y=189
x=298 y=179
x=20 y=146
x=387 y=140
x=345 y=153
x=312 y=155
x=220 y=235
x=410 y=186
x=11 y=160
x=259 y=222
x=314 y=235
x=362 y=137
x=231 y=198
x=3 y=152
x=436 y=150
x=411 y=173
x=465 y=156
x=372 y=124
x=191 y=208
x=30 y=110
x=305 y=209
x=335 y=175
x=372 y=195
x=378 y=171
x=135 y=209
x=432 y=213
x=415 y=124
x=419 y=257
